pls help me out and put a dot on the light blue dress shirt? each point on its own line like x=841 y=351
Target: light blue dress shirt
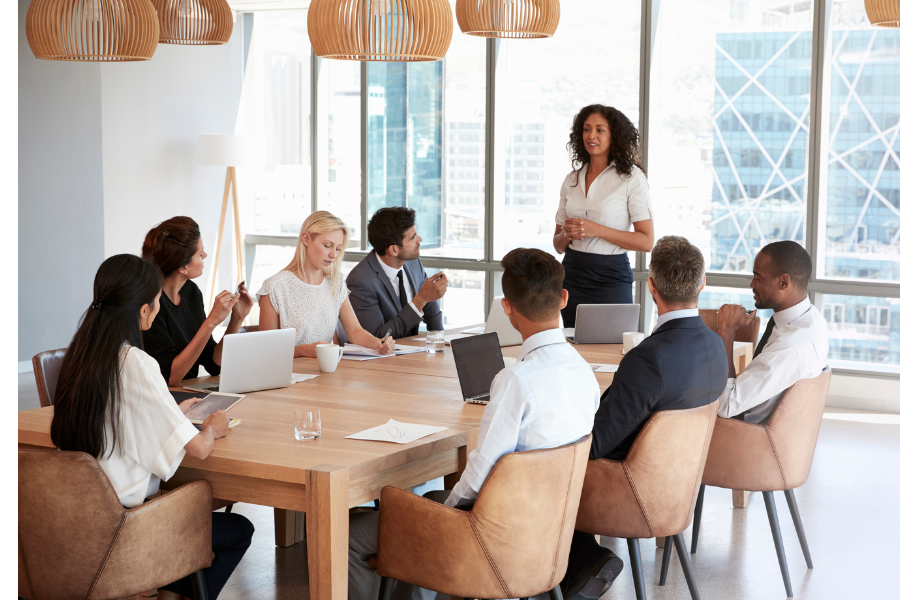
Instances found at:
x=546 y=400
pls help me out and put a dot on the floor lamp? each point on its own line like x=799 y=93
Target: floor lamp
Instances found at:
x=228 y=151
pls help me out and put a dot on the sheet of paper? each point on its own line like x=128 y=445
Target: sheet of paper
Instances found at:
x=396 y=432
x=355 y=350
x=569 y=332
x=298 y=377
x=476 y=330
x=401 y=349
x=604 y=368
x=448 y=337
x=360 y=357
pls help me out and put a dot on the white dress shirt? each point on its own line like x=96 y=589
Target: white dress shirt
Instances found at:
x=612 y=200
x=150 y=445
x=675 y=314
x=391 y=272
x=546 y=400
x=797 y=349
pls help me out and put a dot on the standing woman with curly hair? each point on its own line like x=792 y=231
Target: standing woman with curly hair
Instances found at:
x=604 y=196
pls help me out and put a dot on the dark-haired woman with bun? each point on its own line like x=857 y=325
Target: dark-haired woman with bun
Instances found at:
x=604 y=196
x=112 y=403
x=181 y=337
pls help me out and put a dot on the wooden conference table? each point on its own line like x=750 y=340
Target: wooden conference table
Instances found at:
x=260 y=462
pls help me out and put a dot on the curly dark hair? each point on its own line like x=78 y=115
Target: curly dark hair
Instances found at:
x=625 y=149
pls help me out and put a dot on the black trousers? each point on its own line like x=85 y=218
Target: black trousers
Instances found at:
x=595 y=279
x=231 y=535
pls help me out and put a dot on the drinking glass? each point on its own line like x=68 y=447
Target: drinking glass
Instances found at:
x=307 y=424
x=434 y=342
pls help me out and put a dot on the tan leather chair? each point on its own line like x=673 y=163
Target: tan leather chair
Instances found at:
x=77 y=541
x=769 y=457
x=514 y=543
x=750 y=333
x=651 y=492
x=46 y=373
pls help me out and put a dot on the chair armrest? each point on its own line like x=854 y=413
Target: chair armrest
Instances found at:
x=741 y=457
x=608 y=502
x=432 y=546
x=169 y=538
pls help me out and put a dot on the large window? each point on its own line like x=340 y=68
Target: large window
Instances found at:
x=863 y=203
x=863 y=332
x=594 y=58
x=729 y=142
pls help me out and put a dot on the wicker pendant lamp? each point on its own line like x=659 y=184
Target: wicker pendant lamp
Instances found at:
x=883 y=13
x=508 y=18
x=194 y=22
x=380 y=30
x=92 y=30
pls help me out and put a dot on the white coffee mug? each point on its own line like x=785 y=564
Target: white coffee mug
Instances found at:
x=630 y=339
x=329 y=355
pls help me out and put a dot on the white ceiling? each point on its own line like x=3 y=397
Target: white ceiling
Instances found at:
x=251 y=5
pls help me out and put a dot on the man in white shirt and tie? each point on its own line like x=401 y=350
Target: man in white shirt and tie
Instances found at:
x=794 y=345
x=546 y=400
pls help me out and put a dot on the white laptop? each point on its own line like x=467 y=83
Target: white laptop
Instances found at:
x=498 y=322
x=603 y=323
x=253 y=361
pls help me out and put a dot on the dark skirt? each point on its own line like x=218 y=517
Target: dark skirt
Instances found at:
x=595 y=279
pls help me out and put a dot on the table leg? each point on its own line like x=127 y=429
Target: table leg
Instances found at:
x=290 y=527
x=740 y=498
x=464 y=451
x=327 y=530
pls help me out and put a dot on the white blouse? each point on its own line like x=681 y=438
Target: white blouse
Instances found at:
x=150 y=445
x=312 y=310
x=613 y=200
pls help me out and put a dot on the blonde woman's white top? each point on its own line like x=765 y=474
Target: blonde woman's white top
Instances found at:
x=613 y=200
x=153 y=431
x=312 y=310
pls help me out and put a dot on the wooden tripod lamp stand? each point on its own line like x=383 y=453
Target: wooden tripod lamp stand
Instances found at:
x=228 y=151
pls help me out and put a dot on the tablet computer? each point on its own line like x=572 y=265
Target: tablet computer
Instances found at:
x=218 y=401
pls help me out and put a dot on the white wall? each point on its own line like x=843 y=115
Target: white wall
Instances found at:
x=106 y=151
x=60 y=196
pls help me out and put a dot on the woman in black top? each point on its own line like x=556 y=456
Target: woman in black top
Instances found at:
x=181 y=336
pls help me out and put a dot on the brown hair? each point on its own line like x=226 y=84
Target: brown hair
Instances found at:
x=533 y=283
x=677 y=269
x=172 y=244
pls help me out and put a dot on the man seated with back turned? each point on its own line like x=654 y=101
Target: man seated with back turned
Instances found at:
x=681 y=365
x=388 y=288
x=794 y=345
x=545 y=400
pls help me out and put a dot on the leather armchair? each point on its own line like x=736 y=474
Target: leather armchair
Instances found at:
x=77 y=541
x=46 y=373
x=750 y=333
x=514 y=543
x=651 y=492
x=769 y=457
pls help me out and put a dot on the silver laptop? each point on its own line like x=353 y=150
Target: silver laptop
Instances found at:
x=603 y=323
x=498 y=322
x=478 y=360
x=253 y=361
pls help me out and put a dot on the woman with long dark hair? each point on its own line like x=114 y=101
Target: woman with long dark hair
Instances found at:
x=113 y=403
x=181 y=337
x=604 y=196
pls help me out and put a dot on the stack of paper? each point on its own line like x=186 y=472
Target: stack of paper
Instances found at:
x=357 y=352
x=605 y=368
x=395 y=431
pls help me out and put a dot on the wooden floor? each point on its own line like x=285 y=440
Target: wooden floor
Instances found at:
x=849 y=509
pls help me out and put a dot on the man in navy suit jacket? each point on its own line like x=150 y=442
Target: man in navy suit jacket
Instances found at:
x=379 y=299
x=682 y=364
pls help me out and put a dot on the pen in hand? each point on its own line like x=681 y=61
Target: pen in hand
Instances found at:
x=387 y=335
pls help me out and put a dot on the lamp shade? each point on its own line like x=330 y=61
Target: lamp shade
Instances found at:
x=92 y=30
x=508 y=18
x=883 y=13
x=230 y=150
x=194 y=22
x=380 y=30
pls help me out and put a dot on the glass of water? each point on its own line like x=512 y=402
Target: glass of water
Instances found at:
x=434 y=342
x=307 y=424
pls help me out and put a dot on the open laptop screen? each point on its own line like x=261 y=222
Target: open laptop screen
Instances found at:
x=478 y=360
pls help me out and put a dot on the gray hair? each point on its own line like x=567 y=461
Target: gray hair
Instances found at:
x=677 y=269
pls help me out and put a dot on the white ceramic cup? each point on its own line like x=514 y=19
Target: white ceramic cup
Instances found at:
x=630 y=339
x=329 y=355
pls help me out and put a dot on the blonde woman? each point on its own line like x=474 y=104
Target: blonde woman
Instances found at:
x=310 y=294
